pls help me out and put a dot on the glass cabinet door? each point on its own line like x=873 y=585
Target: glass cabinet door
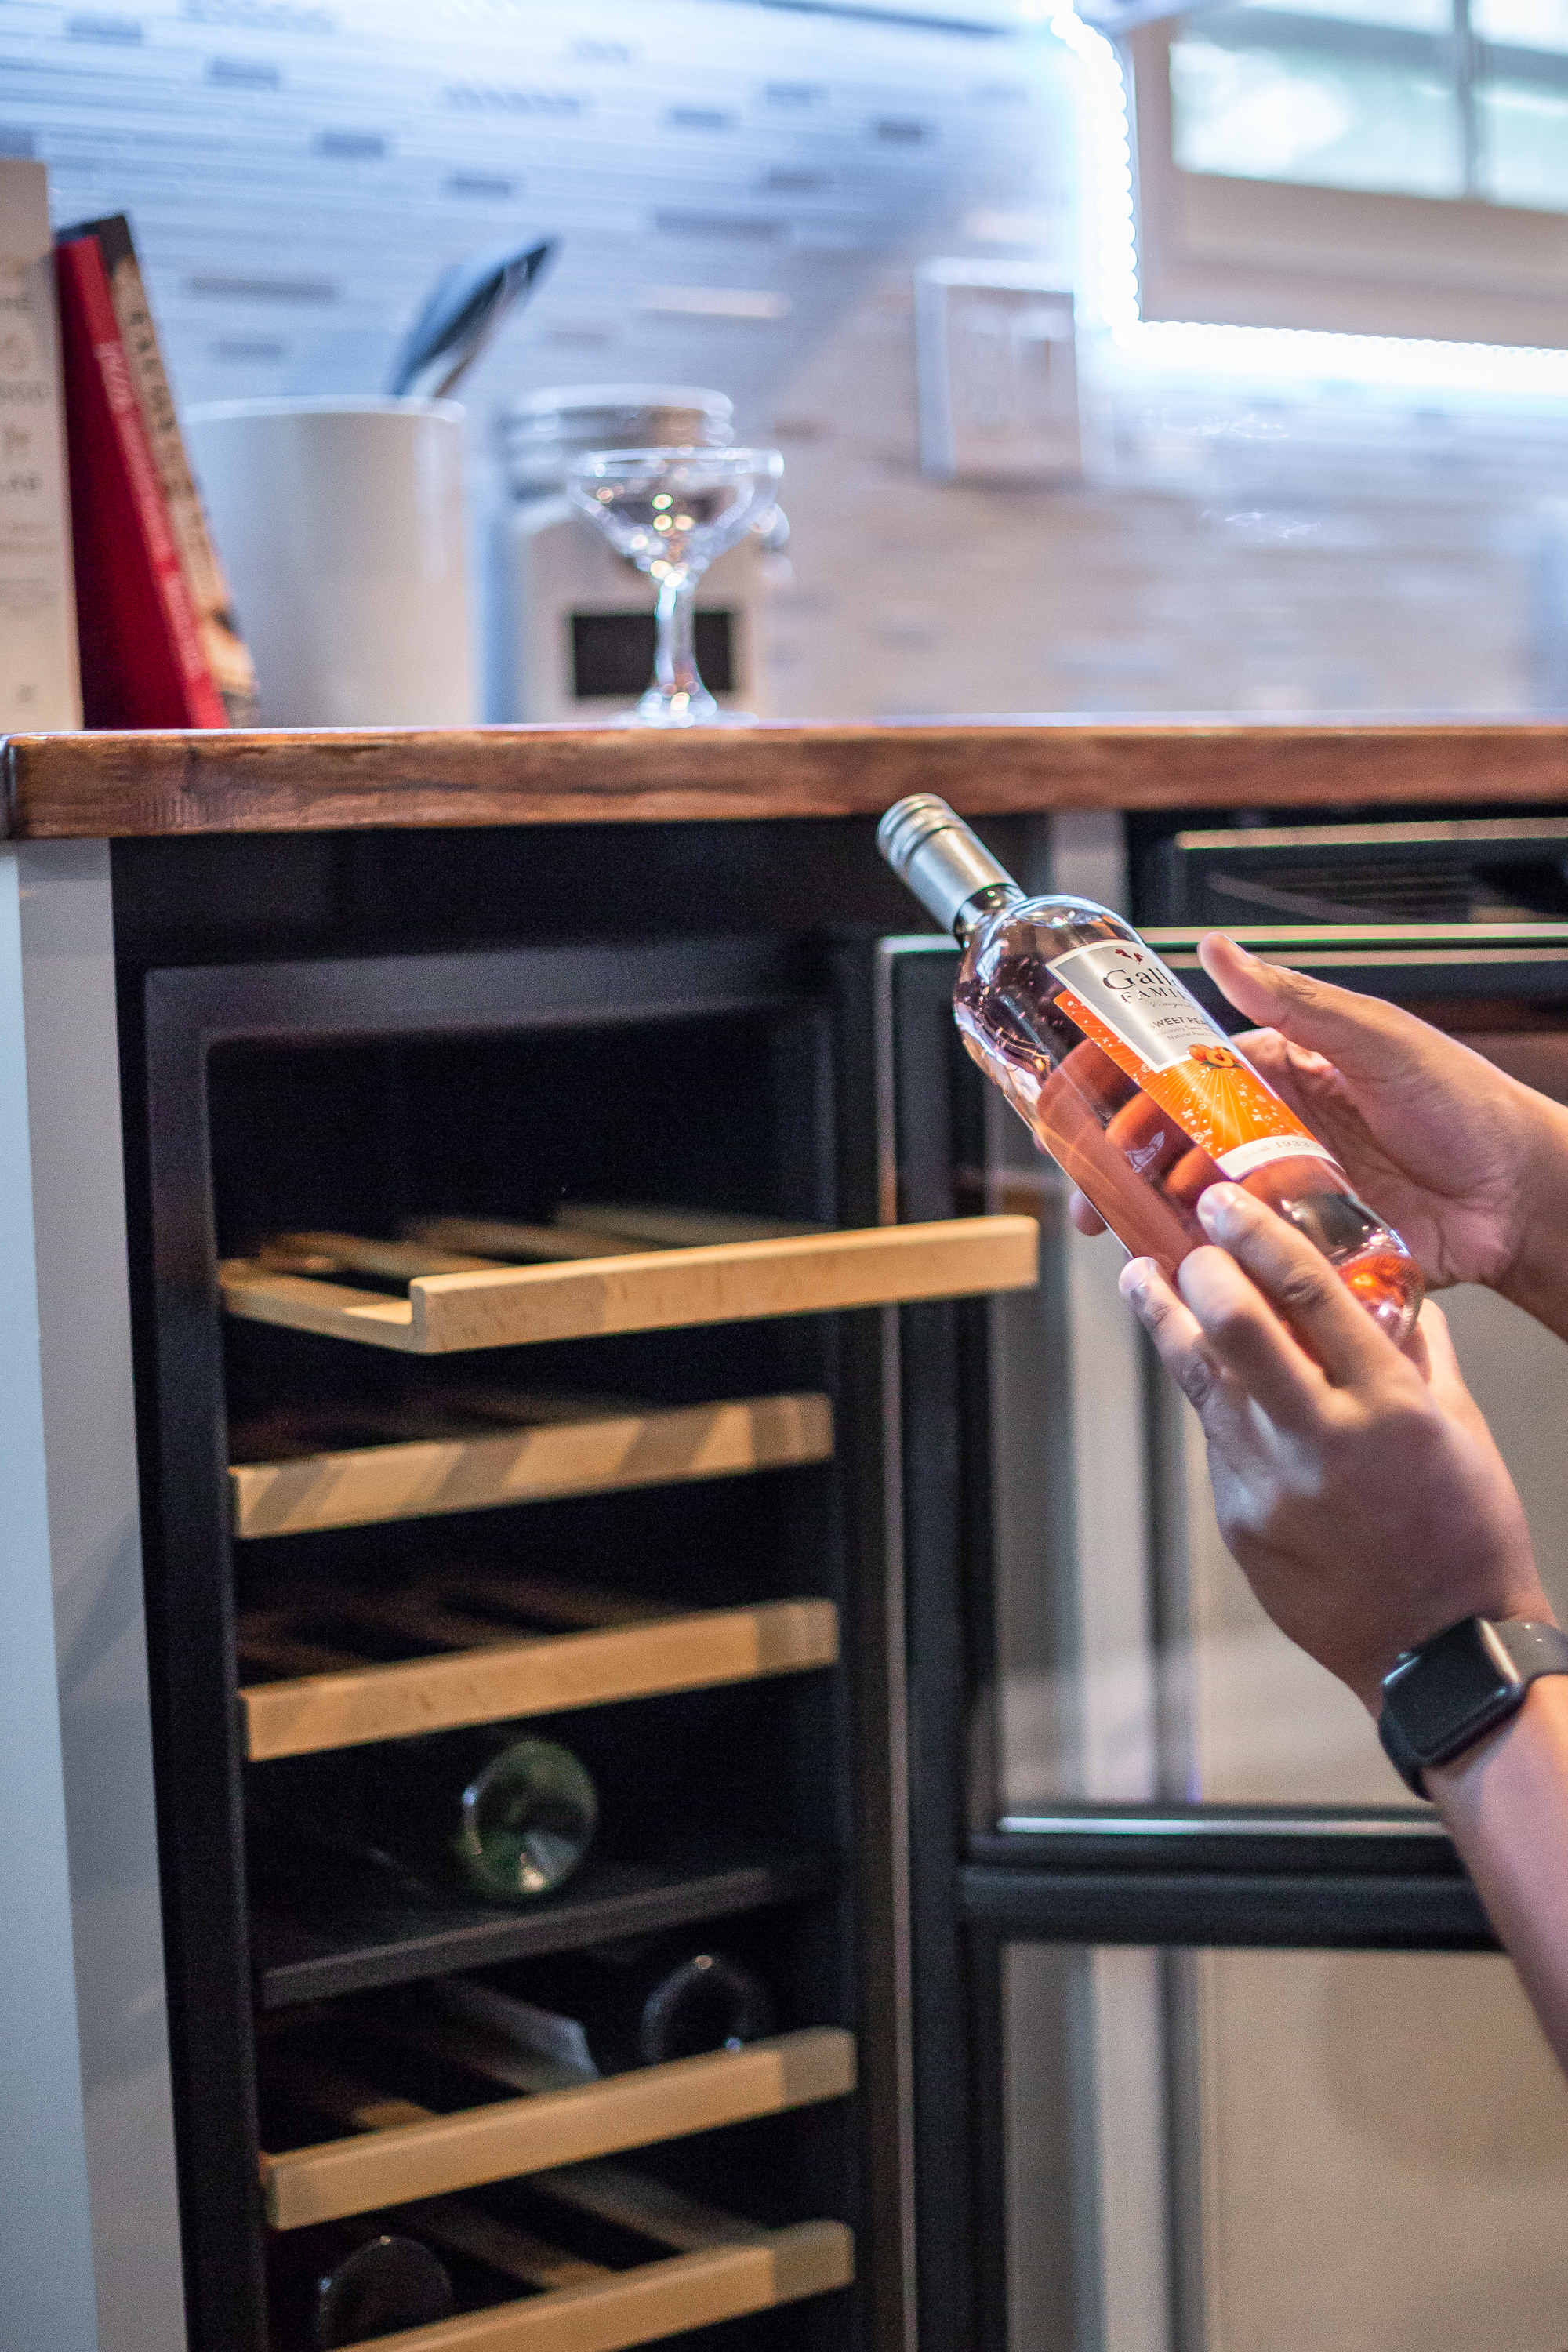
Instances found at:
x=1330 y=2151
x=1214 y=2049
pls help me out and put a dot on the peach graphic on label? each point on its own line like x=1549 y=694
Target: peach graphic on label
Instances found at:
x=1208 y=1090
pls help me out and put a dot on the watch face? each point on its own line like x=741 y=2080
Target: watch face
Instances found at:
x=1460 y=1679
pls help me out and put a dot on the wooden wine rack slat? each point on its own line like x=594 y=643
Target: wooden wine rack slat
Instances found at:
x=655 y=2300
x=520 y=2254
x=601 y=1452
x=732 y=1282
x=649 y=2207
x=588 y=1229
x=404 y=2152
x=309 y=1712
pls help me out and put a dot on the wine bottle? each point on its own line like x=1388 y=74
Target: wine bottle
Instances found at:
x=1121 y=1074
x=353 y=2281
x=524 y=1821
x=481 y=1812
x=600 y=2012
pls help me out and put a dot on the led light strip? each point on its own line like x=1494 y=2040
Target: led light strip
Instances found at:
x=1110 y=293
x=1110 y=238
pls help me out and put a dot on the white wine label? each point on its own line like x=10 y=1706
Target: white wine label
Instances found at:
x=1241 y=1160
x=1140 y=1002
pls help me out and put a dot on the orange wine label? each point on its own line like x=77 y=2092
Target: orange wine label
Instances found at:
x=1124 y=999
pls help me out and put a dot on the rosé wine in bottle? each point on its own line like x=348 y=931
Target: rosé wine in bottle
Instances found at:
x=1122 y=1076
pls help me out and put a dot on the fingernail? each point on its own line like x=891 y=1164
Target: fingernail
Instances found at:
x=1133 y=1278
x=1219 y=1205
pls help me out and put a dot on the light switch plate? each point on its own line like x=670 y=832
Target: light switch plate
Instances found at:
x=998 y=374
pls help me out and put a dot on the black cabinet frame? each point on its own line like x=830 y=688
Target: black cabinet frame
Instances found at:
x=173 y=1020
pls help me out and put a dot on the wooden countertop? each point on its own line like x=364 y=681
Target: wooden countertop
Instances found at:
x=89 y=786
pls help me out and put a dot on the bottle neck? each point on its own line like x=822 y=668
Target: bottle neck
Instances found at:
x=978 y=910
x=945 y=864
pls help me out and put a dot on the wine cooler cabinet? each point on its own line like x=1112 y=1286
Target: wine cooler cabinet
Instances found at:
x=608 y=1479
x=700 y=1423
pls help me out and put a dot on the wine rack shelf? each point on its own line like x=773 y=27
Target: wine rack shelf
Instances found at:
x=351 y=1705
x=656 y=2300
x=720 y=2267
x=495 y=1304
x=398 y=2151
x=357 y=1936
x=731 y=1705
x=535 y=1460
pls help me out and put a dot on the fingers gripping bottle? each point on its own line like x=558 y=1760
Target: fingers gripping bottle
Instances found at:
x=1122 y=1076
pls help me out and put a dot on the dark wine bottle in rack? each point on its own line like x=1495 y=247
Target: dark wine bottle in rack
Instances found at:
x=482 y=1813
x=601 y=2013
x=353 y=2281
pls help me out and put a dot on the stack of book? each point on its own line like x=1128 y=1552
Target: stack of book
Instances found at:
x=117 y=575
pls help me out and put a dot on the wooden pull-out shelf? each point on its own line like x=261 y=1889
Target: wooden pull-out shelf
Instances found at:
x=656 y=2300
x=401 y=2151
x=648 y=1290
x=351 y=1705
x=597 y=1453
x=721 y=2267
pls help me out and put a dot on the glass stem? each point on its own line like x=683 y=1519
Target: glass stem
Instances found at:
x=675 y=649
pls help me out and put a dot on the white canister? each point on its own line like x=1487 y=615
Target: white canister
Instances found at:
x=340 y=522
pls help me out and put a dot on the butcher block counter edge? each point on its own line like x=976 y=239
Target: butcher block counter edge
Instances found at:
x=92 y=786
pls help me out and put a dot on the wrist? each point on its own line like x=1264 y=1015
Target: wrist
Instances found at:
x=1505 y=1805
x=1506 y=1597
x=1506 y=1765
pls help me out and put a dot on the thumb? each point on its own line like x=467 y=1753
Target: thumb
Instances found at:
x=1361 y=1035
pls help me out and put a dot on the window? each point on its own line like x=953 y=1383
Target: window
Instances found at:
x=1418 y=97
x=1383 y=166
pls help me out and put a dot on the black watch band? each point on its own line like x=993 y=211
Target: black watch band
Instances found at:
x=1440 y=1698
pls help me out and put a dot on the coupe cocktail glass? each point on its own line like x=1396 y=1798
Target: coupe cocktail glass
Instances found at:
x=671 y=512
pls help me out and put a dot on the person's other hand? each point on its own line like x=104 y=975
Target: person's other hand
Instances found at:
x=1455 y=1154
x=1356 y=1484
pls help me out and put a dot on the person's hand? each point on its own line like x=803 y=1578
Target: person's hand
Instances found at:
x=1460 y=1158
x=1356 y=1484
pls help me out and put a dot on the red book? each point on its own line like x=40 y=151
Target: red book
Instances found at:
x=141 y=659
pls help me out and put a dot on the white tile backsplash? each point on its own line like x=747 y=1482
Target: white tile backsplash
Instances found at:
x=296 y=173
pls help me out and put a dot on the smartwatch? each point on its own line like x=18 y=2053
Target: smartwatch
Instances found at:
x=1440 y=1698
